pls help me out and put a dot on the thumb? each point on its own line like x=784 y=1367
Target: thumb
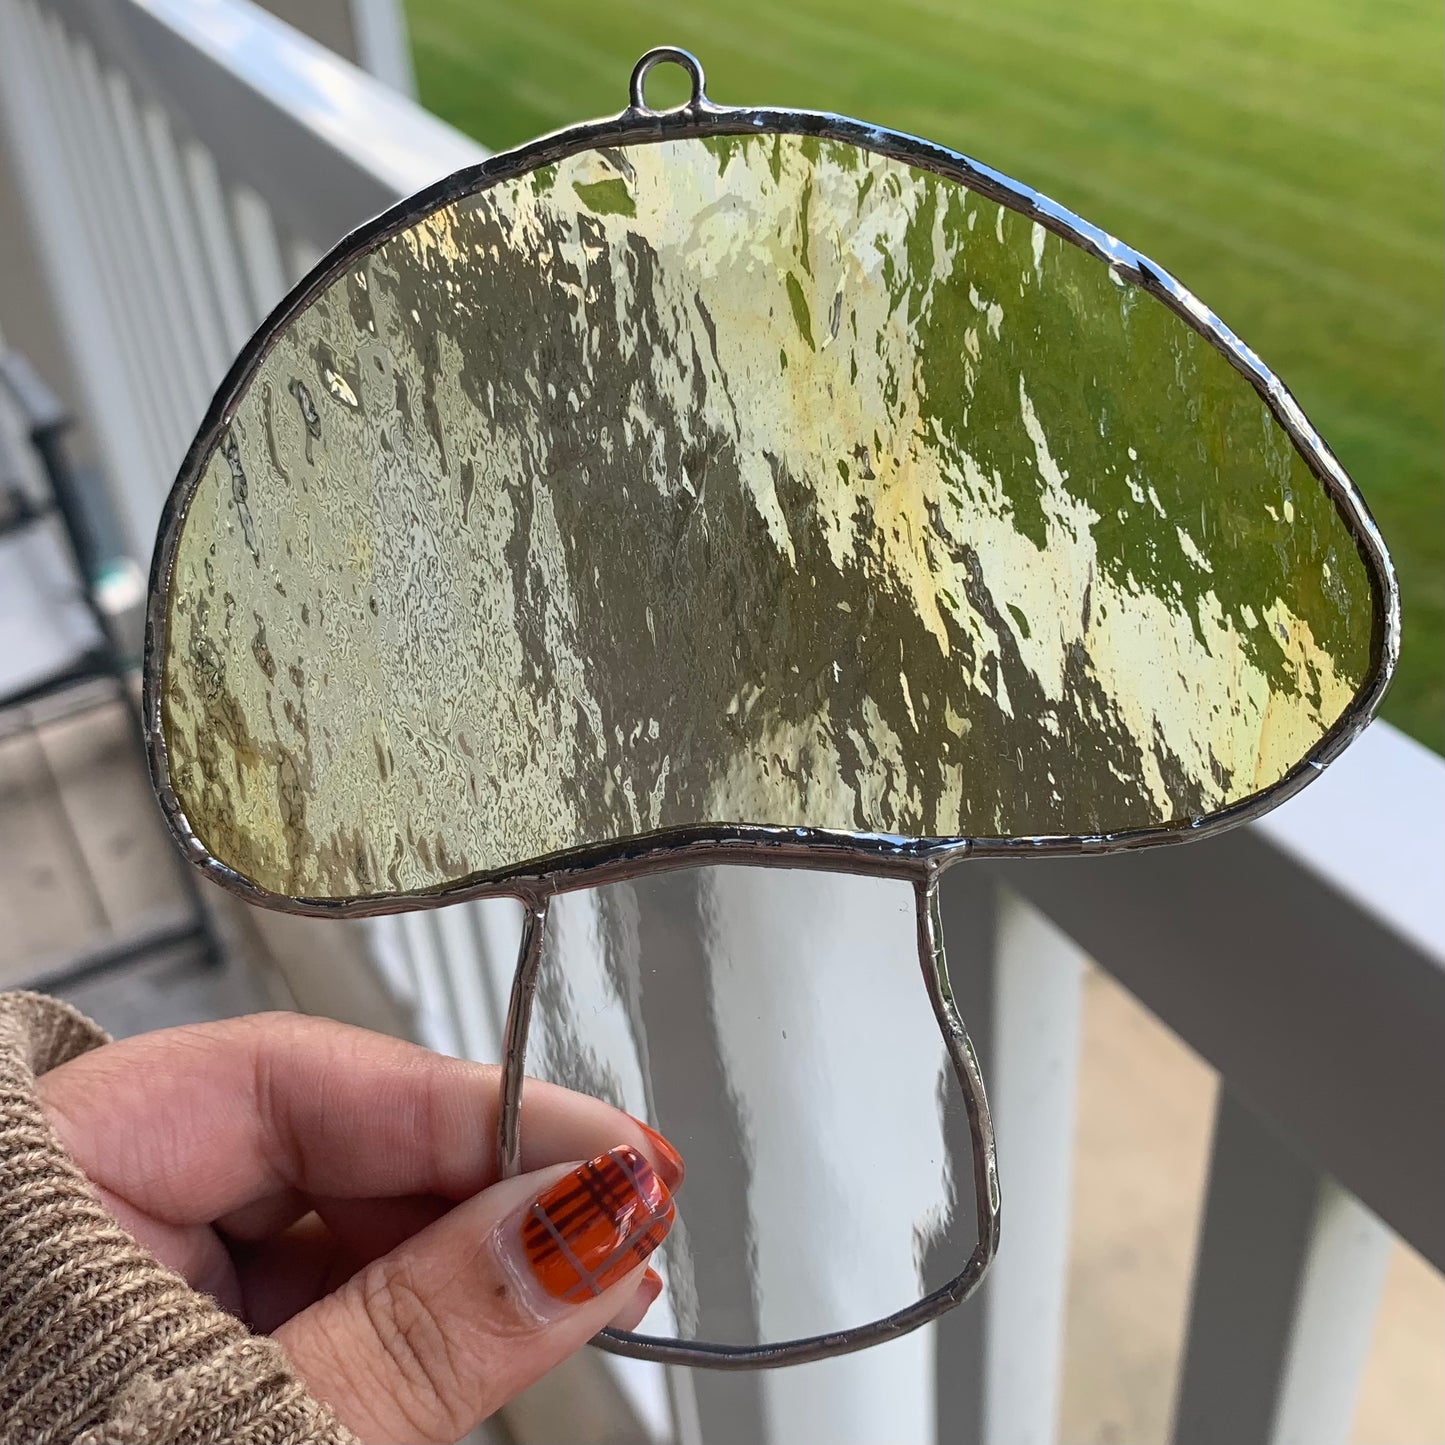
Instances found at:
x=431 y=1338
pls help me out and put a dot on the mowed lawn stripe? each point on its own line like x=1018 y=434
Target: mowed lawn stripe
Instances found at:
x=1109 y=73
x=1151 y=49
x=1076 y=103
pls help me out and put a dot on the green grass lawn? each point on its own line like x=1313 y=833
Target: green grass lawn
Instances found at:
x=1282 y=157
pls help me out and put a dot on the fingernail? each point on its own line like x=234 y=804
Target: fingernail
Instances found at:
x=590 y=1229
x=648 y=1291
x=669 y=1161
x=650 y=1287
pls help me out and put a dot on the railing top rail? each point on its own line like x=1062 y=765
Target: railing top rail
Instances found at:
x=327 y=144
x=1373 y=829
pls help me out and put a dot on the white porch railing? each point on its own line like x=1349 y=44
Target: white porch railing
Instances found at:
x=183 y=162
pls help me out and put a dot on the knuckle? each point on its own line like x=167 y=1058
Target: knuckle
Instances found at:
x=425 y=1381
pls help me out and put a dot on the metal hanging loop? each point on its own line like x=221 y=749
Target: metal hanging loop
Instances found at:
x=660 y=55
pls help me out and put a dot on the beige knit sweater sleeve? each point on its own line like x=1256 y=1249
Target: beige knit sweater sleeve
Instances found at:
x=99 y=1342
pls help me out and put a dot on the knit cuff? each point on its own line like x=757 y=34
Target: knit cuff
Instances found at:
x=98 y=1341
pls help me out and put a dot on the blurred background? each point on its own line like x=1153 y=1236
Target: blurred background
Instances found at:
x=1216 y=1073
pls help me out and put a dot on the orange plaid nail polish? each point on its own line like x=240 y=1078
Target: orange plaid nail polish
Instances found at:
x=595 y=1226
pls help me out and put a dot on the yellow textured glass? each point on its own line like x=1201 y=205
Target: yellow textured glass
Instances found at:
x=758 y=480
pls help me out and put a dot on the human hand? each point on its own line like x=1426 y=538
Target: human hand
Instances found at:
x=337 y=1189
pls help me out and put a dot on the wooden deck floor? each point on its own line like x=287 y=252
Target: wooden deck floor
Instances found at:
x=85 y=864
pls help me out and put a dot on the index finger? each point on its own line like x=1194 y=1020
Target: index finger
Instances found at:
x=190 y=1124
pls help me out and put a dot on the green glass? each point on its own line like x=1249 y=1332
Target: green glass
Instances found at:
x=760 y=480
